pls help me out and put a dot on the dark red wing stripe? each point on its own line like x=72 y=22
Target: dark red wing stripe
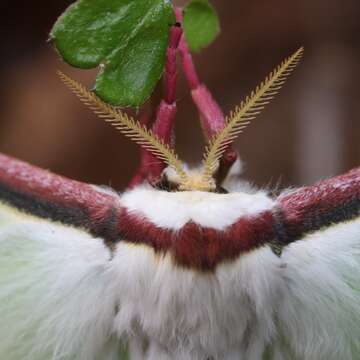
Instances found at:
x=54 y=197
x=51 y=196
x=68 y=214
x=315 y=207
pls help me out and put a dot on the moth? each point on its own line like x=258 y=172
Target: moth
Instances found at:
x=193 y=266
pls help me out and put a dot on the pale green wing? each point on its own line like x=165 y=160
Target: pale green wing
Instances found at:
x=56 y=301
x=319 y=314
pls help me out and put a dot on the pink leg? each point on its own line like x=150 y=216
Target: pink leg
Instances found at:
x=151 y=167
x=143 y=169
x=211 y=115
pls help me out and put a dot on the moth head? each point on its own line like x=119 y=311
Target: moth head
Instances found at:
x=178 y=178
x=193 y=182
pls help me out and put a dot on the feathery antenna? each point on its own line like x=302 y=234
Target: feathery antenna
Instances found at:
x=126 y=125
x=243 y=114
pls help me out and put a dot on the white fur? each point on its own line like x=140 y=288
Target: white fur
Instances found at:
x=172 y=210
x=184 y=314
x=64 y=296
x=311 y=294
x=55 y=301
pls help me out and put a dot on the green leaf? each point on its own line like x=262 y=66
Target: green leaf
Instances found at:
x=201 y=24
x=128 y=38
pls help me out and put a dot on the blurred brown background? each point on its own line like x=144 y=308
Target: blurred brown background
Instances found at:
x=309 y=132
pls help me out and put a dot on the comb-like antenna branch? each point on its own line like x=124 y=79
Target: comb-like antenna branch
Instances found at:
x=248 y=109
x=126 y=125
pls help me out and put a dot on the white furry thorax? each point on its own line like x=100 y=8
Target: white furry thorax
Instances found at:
x=183 y=313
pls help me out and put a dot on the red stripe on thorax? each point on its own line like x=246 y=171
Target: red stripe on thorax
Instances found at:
x=198 y=247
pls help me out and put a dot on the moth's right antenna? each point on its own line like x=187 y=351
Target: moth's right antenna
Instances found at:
x=247 y=111
x=127 y=126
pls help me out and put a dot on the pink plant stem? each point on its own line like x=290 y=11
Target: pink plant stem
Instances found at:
x=143 y=169
x=211 y=115
x=151 y=167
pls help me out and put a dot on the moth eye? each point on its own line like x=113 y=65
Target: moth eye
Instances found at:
x=166 y=185
x=221 y=190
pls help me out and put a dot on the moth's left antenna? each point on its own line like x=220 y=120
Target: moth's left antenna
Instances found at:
x=127 y=126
